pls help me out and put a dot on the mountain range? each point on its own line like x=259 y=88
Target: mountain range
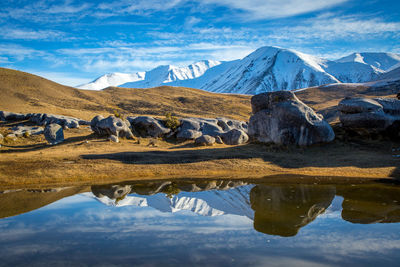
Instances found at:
x=266 y=69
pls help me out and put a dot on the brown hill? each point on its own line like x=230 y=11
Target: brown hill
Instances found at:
x=24 y=92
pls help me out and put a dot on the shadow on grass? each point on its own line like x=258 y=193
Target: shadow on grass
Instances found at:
x=35 y=147
x=335 y=155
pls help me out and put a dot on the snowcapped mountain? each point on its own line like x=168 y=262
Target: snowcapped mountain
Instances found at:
x=271 y=69
x=112 y=79
x=155 y=77
x=206 y=203
x=266 y=69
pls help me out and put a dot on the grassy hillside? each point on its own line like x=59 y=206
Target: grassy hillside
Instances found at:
x=24 y=92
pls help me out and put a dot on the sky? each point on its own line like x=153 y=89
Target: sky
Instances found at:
x=73 y=41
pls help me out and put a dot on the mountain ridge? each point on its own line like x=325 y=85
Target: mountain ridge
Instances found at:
x=269 y=68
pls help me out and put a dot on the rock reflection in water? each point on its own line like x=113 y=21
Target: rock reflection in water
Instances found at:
x=276 y=209
x=370 y=204
x=282 y=210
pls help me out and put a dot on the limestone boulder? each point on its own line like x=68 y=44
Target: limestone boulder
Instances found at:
x=111 y=126
x=235 y=137
x=11 y=116
x=205 y=140
x=54 y=133
x=365 y=115
x=281 y=118
x=20 y=130
x=188 y=134
x=147 y=126
x=64 y=121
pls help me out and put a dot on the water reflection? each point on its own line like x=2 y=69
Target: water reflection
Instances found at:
x=276 y=209
x=282 y=210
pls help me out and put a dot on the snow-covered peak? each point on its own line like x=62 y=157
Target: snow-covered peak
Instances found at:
x=113 y=79
x=380 y=60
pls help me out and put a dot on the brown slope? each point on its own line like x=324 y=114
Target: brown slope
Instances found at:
x=24 y=92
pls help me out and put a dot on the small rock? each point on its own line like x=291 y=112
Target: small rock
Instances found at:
x=54 y=134
x=113 y=138
x=205 y=140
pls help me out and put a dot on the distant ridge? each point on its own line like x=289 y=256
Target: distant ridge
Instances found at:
x=267 y=69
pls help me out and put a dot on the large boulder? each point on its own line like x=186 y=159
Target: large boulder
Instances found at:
x=281 y=118
x=365 y=115
x=147 y=126
x=235 y=137
x=111 y=126
x=188 y=134
x=54 y=133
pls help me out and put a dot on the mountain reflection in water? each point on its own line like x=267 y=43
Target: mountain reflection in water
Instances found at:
x=202 y=223
x=276 y=209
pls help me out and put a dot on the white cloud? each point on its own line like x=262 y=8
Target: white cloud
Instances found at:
x=28 y=34
x=270 y=9
x=332 y=27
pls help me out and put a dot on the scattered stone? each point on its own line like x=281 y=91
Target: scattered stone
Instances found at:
x=218 y=140
x=235 y=137
x=281 y=118
x=147 y=126
x=371 y=116
x=111 y=126
x=54 y=134
x=25 y=131
x=205 y=140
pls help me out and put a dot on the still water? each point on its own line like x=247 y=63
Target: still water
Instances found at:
x=207 y=223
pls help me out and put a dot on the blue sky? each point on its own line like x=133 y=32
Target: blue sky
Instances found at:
x=73 y=42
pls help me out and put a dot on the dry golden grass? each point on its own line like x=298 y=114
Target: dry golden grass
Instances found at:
x=27 y=93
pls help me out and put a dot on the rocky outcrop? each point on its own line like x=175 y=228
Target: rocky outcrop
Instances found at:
x=147 y=126
x=11 y=116
x=64 y=121
x=54 y=134
x=111 y=126
x=281 y=118
x=43 y=119
x=364 y=115
x=235 y=131
x=205 y=140
x=20 y=131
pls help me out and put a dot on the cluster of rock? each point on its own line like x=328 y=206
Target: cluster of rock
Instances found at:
x=202 y=131
x=371 y=116
x=281 y=118
x=43 y=119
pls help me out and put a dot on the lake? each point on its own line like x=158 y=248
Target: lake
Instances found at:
x=202 y=223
